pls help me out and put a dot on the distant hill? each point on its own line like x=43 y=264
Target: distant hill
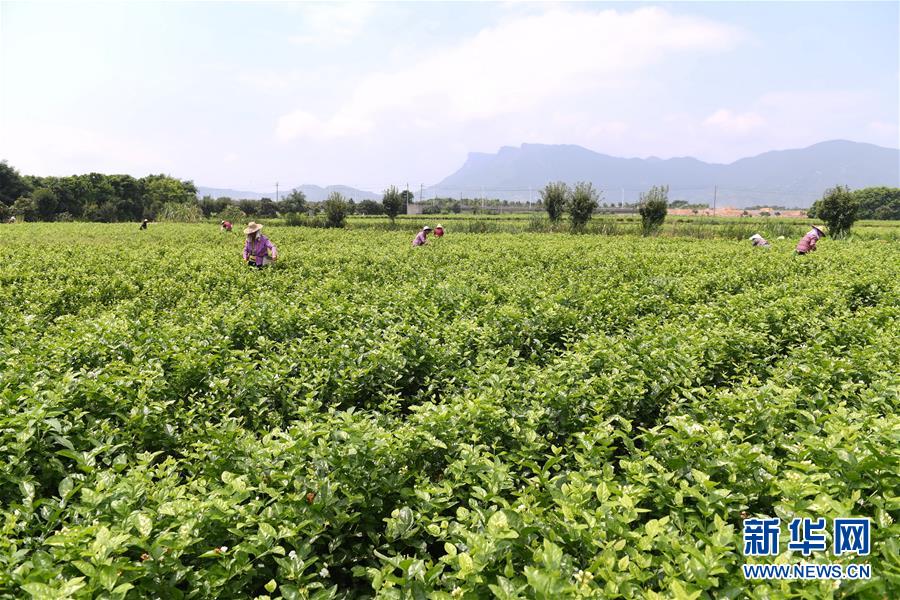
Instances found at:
x=783 y=177
x=314 y=193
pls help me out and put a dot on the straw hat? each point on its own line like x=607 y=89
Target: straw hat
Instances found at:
x=820 y=228
x=252 y=227
x=426 y=228
x=439 y=226
x=755 y=236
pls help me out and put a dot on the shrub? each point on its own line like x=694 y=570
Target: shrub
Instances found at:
x=653 y=209
x=553 y=197
x=232 y=213
x=336 y=210
x=838 y=208
x=176 y=212
x=582 y=204
x=303 y=220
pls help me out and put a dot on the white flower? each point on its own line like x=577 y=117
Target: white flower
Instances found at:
x=324 y=572
x=457 y=592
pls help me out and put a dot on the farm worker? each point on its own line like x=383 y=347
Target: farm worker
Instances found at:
x=11 y=220
x=808 y=242
x=439 y=230
x=144 y=224
x=258 y=250
x=422 y=237
x=758 y=240
x=226 y=226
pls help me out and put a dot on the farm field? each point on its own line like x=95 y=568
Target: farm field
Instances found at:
x=730 y=228
x=509 y=415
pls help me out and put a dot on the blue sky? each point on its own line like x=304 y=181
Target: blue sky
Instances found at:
x=245 y=94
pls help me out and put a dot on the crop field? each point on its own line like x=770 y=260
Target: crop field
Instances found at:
x=494 y=415
x=700 y=227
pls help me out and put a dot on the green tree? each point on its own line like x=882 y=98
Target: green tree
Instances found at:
x=12 y=185
x=653 y=209
x=249 y=207
x=212 y=206
x=392 y=201
x=160 y=190
x=878 y=203
x=24 y=209
x=553 y=196
x=295 y=202
x=335 y=210
x=45 y=203
x=838 y=207
x=370 y=207
x=267 y=208
x=582 y=204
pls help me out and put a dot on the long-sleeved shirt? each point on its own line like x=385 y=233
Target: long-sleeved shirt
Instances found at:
x=258 y=249
x=420 y=239
x=808 y=242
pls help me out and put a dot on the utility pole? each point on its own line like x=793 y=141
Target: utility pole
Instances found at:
x=715 y=197
x=421 y=193
x=406 y=198
x=276 y=191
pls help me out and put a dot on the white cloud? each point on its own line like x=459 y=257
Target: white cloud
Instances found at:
x=731 y=122
x=62 y=149
x=332 y=22
x=519 y=66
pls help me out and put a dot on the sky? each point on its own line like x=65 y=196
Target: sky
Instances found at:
x=243 y=94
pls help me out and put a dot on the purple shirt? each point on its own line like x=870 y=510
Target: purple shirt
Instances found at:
x=258 y=249
x=420 y=239
x=808 y=242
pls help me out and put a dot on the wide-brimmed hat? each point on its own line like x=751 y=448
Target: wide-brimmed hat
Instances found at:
x=755 y=236
x=426 y=228
x=820 y=228
x=252 y=227
x=439 y=226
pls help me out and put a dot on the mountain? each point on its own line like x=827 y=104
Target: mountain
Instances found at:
x=782 y=177
x=314 y=193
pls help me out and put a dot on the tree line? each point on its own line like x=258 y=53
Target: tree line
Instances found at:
x=116 y=198
x=91 y=197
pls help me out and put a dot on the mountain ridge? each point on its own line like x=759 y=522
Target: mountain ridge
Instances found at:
x=787 y=177
x=795 y=176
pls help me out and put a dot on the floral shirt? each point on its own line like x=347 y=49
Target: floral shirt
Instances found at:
x=258 y=249
x=808 y=242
